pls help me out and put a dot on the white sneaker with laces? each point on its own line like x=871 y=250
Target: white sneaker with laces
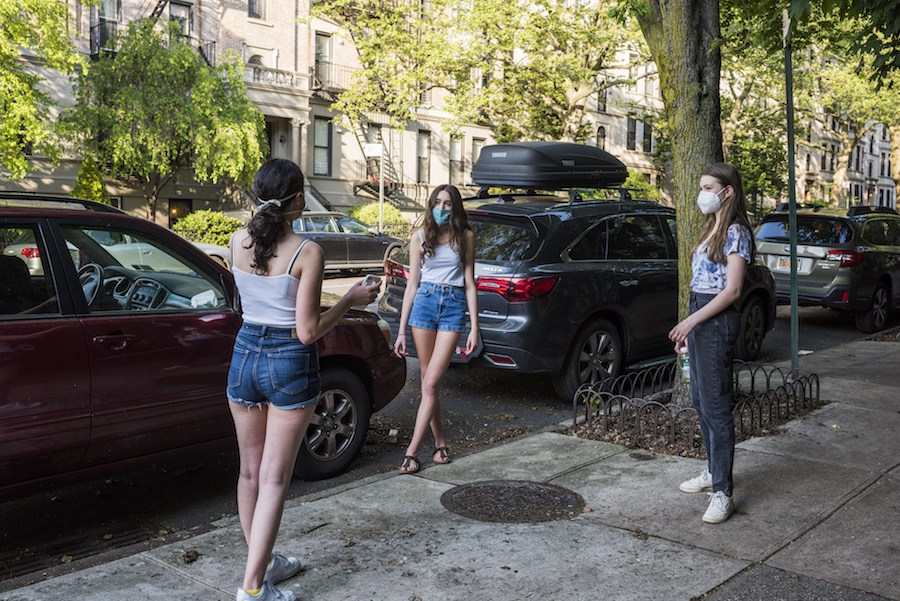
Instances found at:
x=266 y=593
x=281 y=568
x=697 y=483
x=721 y=506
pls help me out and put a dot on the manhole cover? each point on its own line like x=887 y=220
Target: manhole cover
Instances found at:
x=513 y=501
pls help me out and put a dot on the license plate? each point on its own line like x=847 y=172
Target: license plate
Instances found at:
x=785 y=263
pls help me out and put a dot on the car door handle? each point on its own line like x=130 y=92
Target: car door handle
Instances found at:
x=627 y=283
x=117 y=341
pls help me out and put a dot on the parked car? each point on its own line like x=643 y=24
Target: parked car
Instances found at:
x=579 y=289
x=116 y=351
x=349 y=244
x=847 y=261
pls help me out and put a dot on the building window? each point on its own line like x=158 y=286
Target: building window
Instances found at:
x=181 y=14
x=601 y=138
x=456 y=161
x=882 y=164
x=648 y=137
x=824 y=160
x=630 y=141
x=831 y=161
x=477 y=145
x=109 y=10
x=425 y=94
x=423 y=155
x=322 y=147
x=323 y=59
x=601 y=100
x=808 y=162
x=857 y=163
x=256 y=9
x=648 y=84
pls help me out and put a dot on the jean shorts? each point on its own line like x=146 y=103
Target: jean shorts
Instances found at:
x=438 y=307
x=269 y=365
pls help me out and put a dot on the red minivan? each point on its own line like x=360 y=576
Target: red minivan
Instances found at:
x=115 y=341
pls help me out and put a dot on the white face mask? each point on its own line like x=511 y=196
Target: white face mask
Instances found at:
x=709 y=201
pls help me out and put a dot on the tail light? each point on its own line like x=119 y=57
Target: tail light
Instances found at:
x=848 y=258
x=516 y=290
x=31 y=252
x=393 y=269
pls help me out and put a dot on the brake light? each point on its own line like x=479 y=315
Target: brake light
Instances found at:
x=395 y=269
x=517 y=290
x=848 y=258
x=31 y=252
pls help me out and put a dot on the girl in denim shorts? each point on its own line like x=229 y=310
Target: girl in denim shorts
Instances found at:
x=718 y=263
x=441 y=286
x=273 y=381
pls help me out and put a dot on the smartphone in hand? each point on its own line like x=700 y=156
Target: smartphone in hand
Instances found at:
x=371 y=280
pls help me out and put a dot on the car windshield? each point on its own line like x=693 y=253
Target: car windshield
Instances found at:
x=818 y=231
x=503 y=241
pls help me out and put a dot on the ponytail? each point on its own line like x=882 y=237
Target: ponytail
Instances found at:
x=276 y=185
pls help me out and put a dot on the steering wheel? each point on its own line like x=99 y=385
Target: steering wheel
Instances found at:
x=90 y=277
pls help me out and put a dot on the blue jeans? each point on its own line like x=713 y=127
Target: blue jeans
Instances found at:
x=711 y=348
x=270 y=365
x=439 y=307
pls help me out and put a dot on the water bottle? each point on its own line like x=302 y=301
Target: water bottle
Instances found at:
x=685 y=362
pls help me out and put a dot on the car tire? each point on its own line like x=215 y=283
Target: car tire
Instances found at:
x=596 y=355
x=753 y=330
x=875 y=317
x=338 y=428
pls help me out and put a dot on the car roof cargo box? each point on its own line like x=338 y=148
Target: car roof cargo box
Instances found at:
x=547 y=166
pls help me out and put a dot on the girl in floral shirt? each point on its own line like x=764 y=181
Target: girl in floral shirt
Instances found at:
x=718 y=263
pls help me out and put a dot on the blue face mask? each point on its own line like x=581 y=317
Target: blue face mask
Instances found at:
x=441 y=216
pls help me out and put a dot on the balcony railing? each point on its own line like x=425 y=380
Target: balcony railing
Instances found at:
x=329 y=76
x=274 y=77
x=103 y=37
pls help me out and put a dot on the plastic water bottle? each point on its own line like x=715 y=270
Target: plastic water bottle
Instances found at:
x=685 y=362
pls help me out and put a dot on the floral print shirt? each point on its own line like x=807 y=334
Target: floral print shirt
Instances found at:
x=712 y=277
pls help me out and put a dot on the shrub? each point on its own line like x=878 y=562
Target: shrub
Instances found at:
x=369 y=213
x=208 y=226
x=89 y=183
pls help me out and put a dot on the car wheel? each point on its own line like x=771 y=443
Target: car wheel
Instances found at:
x=875 y=317
x=338 y=428
x=595 y=356
x=752 y=332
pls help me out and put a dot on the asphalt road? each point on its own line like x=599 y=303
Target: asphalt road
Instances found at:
x=47 y=533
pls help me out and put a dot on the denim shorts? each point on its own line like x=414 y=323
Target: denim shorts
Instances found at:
x=269 y=365
x=438 y=307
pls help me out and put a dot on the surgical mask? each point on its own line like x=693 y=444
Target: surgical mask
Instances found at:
x=441 y=216
x=709 y=201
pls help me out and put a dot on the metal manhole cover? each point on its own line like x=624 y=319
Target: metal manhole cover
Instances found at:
x=513 y=501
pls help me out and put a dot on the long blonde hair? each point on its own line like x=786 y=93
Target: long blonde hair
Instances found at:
x=734 y=210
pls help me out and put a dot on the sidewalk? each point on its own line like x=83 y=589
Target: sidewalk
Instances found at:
x=818 y=517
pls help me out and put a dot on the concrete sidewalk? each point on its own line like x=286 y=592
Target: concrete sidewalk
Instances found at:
x=818 y=517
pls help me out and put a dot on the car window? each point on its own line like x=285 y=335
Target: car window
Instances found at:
x=320 y=224
x=592 y=245
x=123 y=270
x=636 y=237
x=26 y=287
x=503 y=241
x=892 y=235
x=352 y=226
x=882 y=232
x=817 y=231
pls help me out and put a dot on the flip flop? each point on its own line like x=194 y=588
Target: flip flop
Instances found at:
x=407 y=466
x=444 y=455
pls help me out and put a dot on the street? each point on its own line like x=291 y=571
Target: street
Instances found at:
x=50 y=531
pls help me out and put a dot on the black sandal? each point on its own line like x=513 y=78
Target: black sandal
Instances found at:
x=406 y=466
x=444 y=455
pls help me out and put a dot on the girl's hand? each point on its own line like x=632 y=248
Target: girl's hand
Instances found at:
x=471 y=342
x=361 y=296
x=679 y=333
x=400 y=345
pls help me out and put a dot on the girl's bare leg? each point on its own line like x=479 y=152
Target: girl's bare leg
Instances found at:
x=435 y=350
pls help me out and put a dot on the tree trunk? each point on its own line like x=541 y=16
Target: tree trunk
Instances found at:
x=681 y=35
x=894 y=132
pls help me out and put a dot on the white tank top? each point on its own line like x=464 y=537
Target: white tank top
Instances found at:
x=444 y=266
x=268 y=300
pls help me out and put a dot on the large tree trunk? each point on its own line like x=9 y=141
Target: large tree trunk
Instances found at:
x=681 y=36
x=894 y=132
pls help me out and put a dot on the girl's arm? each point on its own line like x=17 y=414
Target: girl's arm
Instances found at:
x=737 y=265
x=471 y=291
x=409 y=295
x=312 y=322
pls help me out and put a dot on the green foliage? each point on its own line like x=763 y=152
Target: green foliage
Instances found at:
x=41 y=26
x=212 y=227
x=157 y=109
x=89 y=183
x=473 y=53
x=646 y=190
x=368 y=213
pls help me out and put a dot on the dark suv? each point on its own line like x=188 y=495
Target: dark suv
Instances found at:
x=115 y=341
x=581 y=289
x=845 y=261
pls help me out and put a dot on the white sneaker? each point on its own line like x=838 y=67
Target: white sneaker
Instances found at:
x=266 y=593
x=721 y=506
x=281 y=568
x=697 y=483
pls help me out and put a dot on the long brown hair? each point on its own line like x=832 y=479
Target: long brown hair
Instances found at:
x=734 y=210
x=459 y=223
x=277 y=179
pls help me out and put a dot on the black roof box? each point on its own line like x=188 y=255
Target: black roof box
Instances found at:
x=547 y=166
